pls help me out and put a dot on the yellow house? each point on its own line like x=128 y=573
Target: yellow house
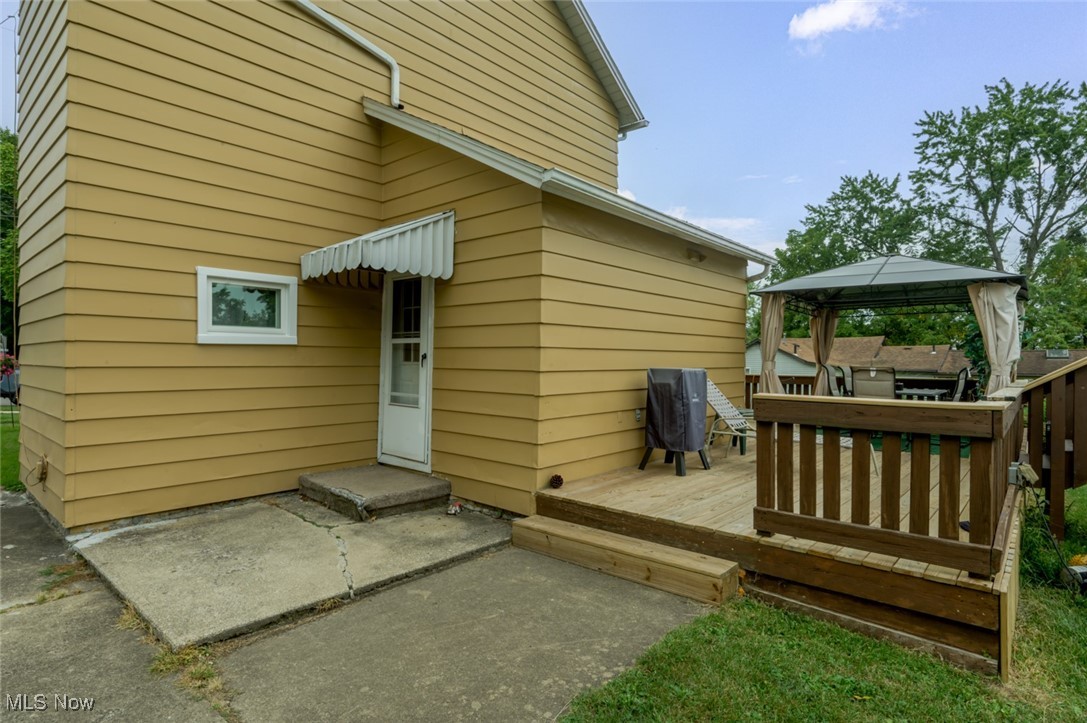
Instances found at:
x=264 y=238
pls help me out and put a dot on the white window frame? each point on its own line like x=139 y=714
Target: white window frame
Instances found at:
x=209 y=333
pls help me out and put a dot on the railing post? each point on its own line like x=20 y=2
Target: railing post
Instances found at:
x=764 y=466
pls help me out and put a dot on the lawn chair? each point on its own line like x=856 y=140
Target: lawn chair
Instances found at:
x=874 y=382
x=832 y=379
x=960 y=384
x=728 y=420
x=847 y=380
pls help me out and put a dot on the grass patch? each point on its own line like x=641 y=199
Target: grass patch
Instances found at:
x=9 y=452
x=749 y=661
x=196 y=667
x=63 y=580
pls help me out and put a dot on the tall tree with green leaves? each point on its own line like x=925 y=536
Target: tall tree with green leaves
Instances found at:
x=1009 y=179
x=1057 y=315
x=867 y=216
x=9 y=233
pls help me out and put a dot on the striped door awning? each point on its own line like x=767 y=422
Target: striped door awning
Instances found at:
x=423 y=246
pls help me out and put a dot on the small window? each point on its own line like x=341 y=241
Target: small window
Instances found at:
x=237 y=307
x=1056 y=353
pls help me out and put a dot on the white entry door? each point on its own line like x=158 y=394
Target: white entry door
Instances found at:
x=406 y=329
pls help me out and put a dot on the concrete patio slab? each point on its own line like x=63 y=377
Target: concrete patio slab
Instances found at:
x=511 y=636
x=221 y=573
x=28 y=545
x=71 y=654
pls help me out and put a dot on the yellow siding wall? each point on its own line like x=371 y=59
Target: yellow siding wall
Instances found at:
x=158 y=137
x=486 y=318
x=183 y=155
x=42 y=88
x=618 y=299
x=509 y=74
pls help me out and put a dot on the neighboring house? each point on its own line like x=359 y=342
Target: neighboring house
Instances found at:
x=796 y=357
x=799 y=358
x=487 y=317
x=1037 y=363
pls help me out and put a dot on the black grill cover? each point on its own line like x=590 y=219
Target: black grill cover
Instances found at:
x=675 y=409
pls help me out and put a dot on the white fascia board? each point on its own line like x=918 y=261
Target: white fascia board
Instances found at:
x=603 y=65
x=560 y=183
x=563 y=184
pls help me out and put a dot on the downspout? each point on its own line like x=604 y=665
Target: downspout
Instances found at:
x=756 y=277
x=339 y=27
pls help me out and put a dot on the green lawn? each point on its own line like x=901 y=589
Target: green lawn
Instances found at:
x=749 y=661
x=9 y=451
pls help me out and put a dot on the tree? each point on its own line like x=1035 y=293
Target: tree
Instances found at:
x=867 y=216
x=1057 y=315
x=9 y=233
x=1005 y=181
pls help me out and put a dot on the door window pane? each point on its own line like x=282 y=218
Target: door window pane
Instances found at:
x=407 y=308
x=404 y=381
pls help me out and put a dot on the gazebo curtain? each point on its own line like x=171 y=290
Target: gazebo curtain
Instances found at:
x=823 y=324
x=997 y=312
x=773 y=323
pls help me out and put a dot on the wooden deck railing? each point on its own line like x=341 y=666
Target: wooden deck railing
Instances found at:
x=1055 y=403
x=792 y=384
x=994 y=432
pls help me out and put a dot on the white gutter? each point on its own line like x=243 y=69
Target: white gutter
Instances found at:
x=369 y=47
x=759 y=276
x=560 y=183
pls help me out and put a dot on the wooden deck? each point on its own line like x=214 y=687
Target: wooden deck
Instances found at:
x=722 y=498
x=947 y=611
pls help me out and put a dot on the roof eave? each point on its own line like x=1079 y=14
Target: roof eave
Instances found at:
x=559 y=183
x=603 y=65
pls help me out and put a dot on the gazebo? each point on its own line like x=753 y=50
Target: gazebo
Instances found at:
x=889 y=282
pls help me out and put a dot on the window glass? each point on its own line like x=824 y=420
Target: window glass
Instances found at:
x=240 y=305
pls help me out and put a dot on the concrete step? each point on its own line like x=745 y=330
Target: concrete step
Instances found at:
x=363 y=493
x=690 y=574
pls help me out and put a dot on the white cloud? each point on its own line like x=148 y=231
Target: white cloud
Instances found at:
x=730 y=226
x=792 y=179
x=850 y=15
x=754 y=176
x=627 y=194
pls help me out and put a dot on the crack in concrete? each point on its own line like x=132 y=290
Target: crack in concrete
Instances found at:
x=357 y=500
x=302 y=517
x=341 y=545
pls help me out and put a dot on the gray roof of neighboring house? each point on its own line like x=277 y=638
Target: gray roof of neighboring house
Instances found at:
x=1037 y=363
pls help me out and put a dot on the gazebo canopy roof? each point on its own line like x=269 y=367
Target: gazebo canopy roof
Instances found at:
x=889 y=281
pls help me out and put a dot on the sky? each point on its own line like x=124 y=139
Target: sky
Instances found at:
x=759 y=108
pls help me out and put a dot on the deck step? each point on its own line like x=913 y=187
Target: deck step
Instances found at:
x=363 y=493
x=690 y=574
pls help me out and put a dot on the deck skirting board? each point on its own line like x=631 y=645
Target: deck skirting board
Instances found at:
x=978 y=662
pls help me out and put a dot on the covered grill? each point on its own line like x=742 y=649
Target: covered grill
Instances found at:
x=675 y=415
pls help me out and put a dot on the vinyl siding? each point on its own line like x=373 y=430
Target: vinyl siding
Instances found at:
x=616 y=300
x=182 y=155
x=486 y=318
x=43 y=136
x=508 y=74
x=158 y=137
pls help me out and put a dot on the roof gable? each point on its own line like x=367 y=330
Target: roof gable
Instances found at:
x=592 y=45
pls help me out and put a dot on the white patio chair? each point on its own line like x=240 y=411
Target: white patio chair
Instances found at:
x=728 y=421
